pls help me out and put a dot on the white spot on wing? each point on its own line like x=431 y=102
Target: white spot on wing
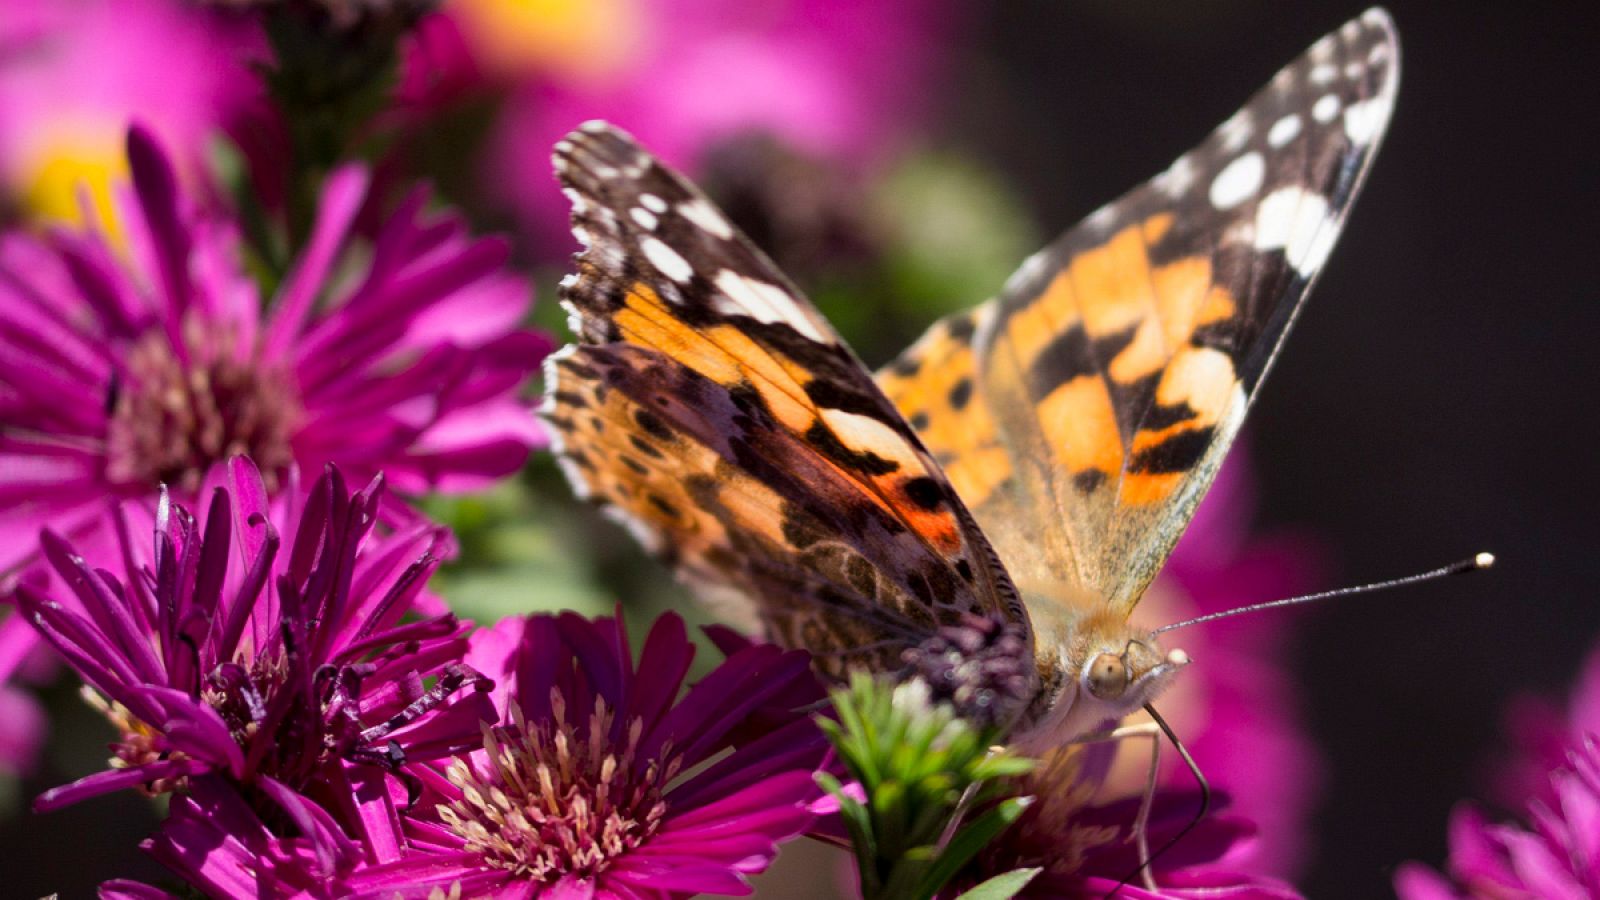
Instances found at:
x=1101 y=217
x=1297 y=221
x=645 y=218
x=653 y=203
x=580 y=485
x=1236 y=131
x=1323 y=73
x=1284 y=130
x=666 y=260
x=1238 y=181
x=1178 y=177
x=706 y=217
x=865 y=434
x=1028 y=273
x=1326 y=107
x=765 y=302
x=647 y=537
x=1365 y=121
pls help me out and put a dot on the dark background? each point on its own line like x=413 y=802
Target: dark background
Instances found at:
x=1439 y=394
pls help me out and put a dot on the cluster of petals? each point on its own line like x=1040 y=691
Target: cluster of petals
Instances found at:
x=600 y=780
x=150 y=359
x=225 y=652
x=1555 y=850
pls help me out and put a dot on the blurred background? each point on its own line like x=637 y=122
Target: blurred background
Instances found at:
x=898 y=158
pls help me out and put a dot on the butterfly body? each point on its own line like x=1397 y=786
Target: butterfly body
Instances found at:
x=1029 y=462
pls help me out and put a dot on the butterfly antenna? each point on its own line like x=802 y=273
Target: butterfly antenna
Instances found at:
x=1481 y=561
x=1200 y=813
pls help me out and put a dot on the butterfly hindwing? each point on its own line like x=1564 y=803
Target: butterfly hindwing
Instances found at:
x=713 y=409
x=1115 y=368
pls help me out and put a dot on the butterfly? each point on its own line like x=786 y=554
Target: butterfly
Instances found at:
x=1030 y=462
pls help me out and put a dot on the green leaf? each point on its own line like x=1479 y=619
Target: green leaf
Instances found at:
x=859 y=825
x=969 y=841
x=1002 y=887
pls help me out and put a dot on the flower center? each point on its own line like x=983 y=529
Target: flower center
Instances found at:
x=173 y=418
x=553 y=800
x=140 y=744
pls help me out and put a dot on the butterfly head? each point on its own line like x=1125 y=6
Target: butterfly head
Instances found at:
x=1132 y=676
x=1106 y=668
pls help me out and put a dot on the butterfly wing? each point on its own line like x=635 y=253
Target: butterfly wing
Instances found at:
x=1091 y=403
x=712 y=409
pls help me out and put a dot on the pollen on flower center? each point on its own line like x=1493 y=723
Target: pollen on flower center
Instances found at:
x=555 y=800
x=173 y=418
x=139 y=743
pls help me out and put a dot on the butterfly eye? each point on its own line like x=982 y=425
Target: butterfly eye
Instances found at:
x=1108 y=676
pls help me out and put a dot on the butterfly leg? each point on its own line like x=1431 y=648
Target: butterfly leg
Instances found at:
x=1141 y=821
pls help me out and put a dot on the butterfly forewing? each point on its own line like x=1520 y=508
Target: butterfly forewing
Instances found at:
x=1115 y=368
x=717 y=413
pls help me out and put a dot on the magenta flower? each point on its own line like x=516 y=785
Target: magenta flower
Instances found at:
x=832 y=79
x=1237 y=709
x=74 y=73
x=600 y=781
x=1544 y=735
x=1557 y=853
x=215 y=654
x=1086 y=848
x=219 y=846
x=122 y=373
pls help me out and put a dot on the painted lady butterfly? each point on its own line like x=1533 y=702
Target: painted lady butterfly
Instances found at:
x=1031 y=461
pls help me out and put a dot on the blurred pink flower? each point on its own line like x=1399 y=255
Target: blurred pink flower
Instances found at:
x=1556 y=855
x=829 y=78
x=1557 y=772
x=125 y=368
x=1544 y=734
x=1237 y=708
x=123 y=373
x=23 y=733
x=75 y=73
x=1085 y=846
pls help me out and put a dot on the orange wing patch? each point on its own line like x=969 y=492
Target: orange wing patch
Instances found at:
x=934 y=384
x=1096 y=345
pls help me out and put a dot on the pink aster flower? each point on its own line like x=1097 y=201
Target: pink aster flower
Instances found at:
x=1557 y=852
x=1085 y=846
x=835 y=80
x=74 y=73
x=215 y=654
x=600 y=780
x=121 y=373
